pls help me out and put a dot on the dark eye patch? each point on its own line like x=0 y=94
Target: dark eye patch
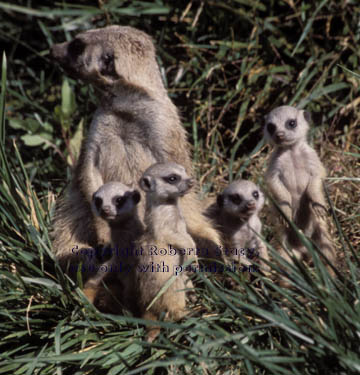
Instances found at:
x=271 y=128
x=291 y=124
x=108 y=64
x=98 y=202
x=220 y=200
x=146 y=183
x=76 y=48
x=255 y=194
x=136 y=197
x=108 y=58
x=235 y=198
x=120 y=201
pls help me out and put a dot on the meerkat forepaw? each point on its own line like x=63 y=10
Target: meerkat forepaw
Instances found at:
x=319 y=210
x=265 y=269
x=152 y=333
x=287 y=213
x=193 y=261
x=190 y=293
x=283 y=222
x=90 y=293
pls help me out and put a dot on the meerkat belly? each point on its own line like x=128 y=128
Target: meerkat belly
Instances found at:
x=124 y=162
x=241 y=238
x=295 y=180
x=121 y=154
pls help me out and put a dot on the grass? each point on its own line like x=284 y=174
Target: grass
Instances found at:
x=226 y=64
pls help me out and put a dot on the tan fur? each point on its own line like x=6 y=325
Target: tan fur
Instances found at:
x=236 y=214
x=135 y=125
x=294 y=178
x=165 y=229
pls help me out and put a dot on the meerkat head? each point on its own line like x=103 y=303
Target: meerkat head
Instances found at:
x=286 y=125
x=115 y=202
x=164 y=182
x=241 y=199
x=108 y=55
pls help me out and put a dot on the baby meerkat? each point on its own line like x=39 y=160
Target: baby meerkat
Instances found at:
x=236 y=214
x=294 y=178
x=135 y=125
x=164 y=184
x=116 y=204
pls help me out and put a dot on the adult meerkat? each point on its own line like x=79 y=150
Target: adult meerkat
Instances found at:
x=135 y=125
x=116 y=204
x=294 y=178
x=236 y=212
x=164 y=184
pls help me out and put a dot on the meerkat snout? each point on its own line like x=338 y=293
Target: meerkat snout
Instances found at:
x=66 y=53
x=190 y=182
x=105 y=210
x=279 y=136
x=251 y=205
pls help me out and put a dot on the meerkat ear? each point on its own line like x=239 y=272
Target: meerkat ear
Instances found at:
x=220 y=200
x=136 y=197
x=307 y=116
x=146 y=184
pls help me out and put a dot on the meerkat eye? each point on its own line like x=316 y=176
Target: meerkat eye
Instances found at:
x=120 y=201
x=235 y=198
x=108 y=65
x=291 y=124
x=172 y=179
x=108 y=58
x=98 y=202
x=271 y=128
x=255 y=194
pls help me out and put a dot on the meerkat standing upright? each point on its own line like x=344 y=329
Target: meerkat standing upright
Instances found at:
x=164 y=184
x=294 y=178
x=236 y=214
x=136 y=125
x=116 y=204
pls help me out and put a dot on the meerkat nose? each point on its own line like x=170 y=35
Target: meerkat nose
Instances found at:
x=57 y=51
x=106 y=209
x=250 y=204
x=280 y=135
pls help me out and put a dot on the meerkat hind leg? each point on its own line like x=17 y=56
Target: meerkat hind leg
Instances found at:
x=321 y=239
